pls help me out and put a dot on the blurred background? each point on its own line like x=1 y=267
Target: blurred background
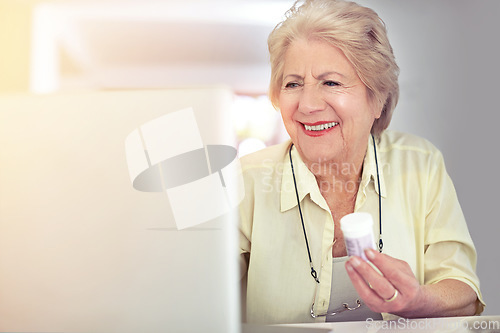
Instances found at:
x=54 y=46
x=447 y=50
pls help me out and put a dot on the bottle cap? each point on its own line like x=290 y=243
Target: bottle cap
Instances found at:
x=356 y=225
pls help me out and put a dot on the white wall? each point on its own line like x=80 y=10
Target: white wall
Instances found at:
x=112 y=44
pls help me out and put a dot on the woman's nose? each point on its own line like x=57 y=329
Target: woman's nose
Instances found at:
x=311 y=99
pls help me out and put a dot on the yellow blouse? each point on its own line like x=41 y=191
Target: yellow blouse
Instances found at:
x=422 y=223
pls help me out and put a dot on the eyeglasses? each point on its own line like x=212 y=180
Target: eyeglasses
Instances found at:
x=345 y=307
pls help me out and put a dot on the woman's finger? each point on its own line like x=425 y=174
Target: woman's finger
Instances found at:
x=377 y=282
x=369 y=296
x=397 y=272
x=385 y=284
x=364 y=290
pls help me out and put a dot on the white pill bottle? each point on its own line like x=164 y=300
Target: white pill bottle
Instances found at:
x=358 y=233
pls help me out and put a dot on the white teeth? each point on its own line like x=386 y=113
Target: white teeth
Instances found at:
x=320 y=127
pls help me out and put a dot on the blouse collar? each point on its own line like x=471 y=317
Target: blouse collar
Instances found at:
x=306 y=182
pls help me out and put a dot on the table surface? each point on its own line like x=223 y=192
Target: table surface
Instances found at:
x=488 y=324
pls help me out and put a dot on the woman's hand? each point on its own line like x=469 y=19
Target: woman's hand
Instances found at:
x=397 y=291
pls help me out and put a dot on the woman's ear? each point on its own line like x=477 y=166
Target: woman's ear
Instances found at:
x=377 y=106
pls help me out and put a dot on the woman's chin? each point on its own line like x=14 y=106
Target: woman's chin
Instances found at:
x=317 y=154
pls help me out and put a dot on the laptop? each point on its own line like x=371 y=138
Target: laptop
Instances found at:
x=81 y=248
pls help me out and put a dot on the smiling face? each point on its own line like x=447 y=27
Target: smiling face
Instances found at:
x=325 y=107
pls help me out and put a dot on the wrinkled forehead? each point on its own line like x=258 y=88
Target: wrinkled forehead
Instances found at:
x=318 y=59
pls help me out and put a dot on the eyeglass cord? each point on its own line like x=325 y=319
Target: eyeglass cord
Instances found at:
x=380 y=242
x=314 y=274
x=313 y=271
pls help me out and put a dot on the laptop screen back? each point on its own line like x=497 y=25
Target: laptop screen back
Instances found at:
x=80 y=248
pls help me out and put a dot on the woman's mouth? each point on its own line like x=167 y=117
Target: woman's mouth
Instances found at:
x=319 y=128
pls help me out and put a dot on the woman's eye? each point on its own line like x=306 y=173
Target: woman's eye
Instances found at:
x=291 y=85
x=331 y=83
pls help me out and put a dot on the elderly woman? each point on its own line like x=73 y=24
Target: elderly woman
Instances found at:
x=334 y=80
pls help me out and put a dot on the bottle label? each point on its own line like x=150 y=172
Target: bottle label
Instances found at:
x=356 y=246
